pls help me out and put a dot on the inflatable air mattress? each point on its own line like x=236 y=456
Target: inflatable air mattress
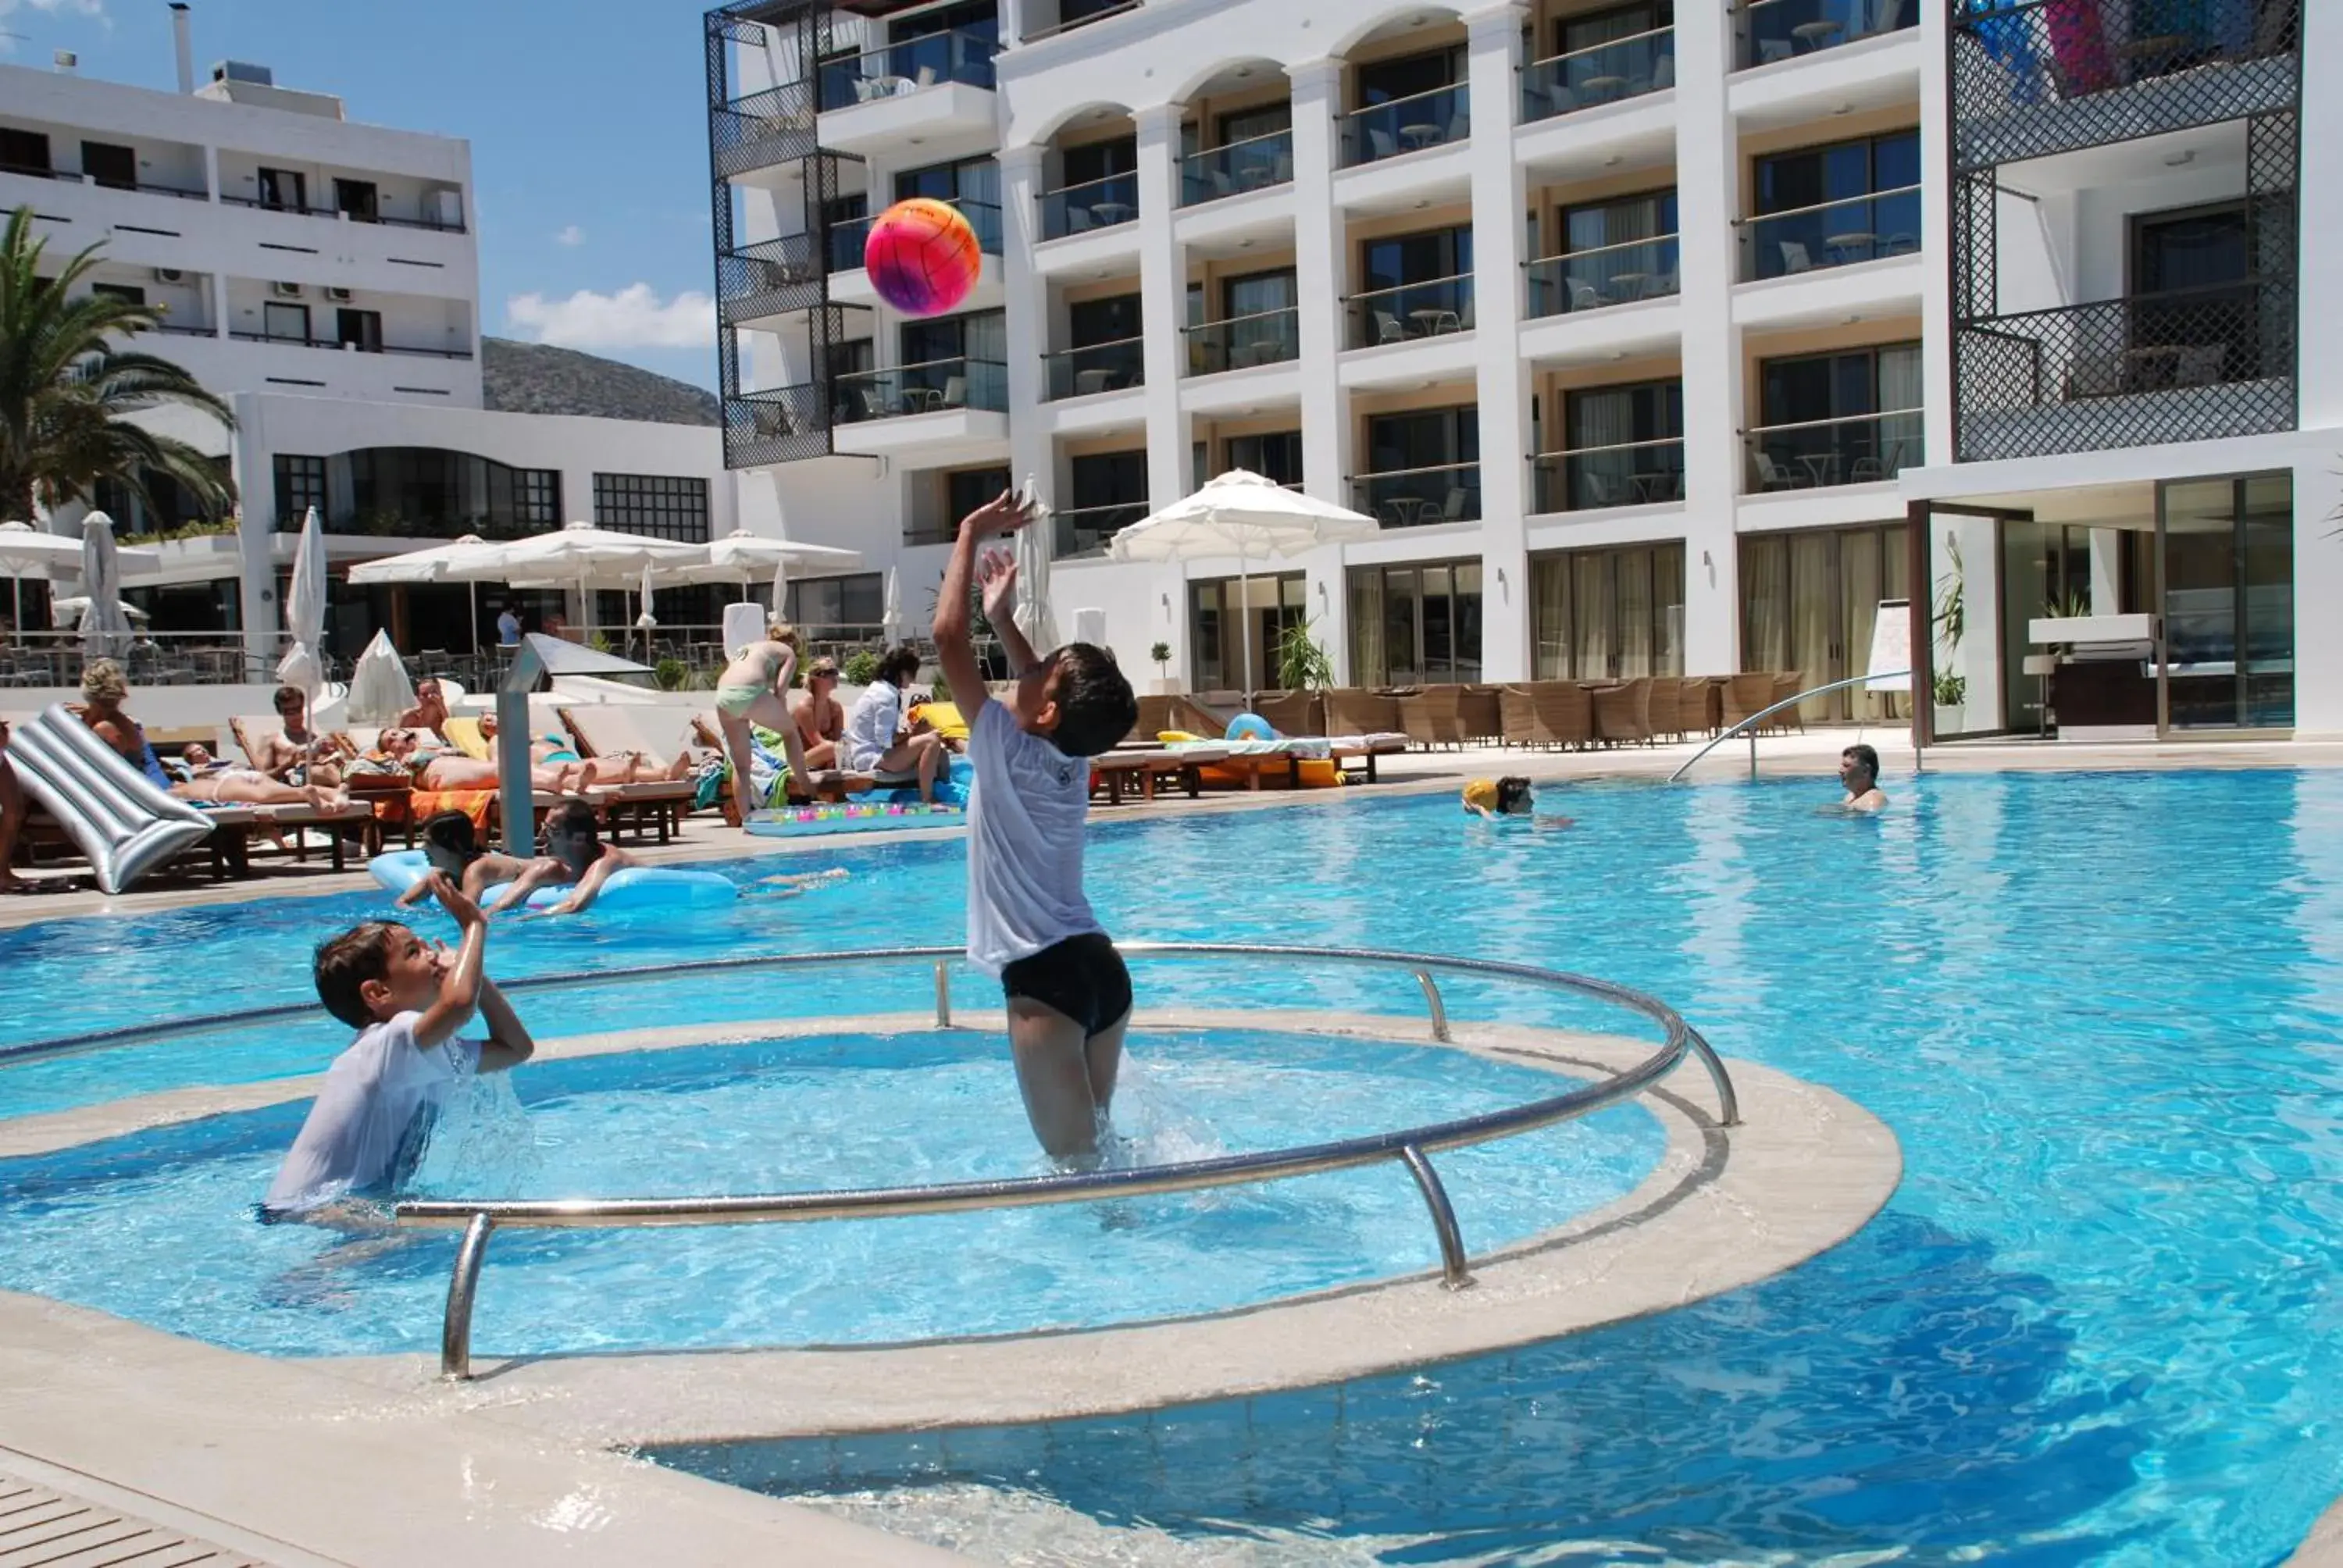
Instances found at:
x=636 y=887
x=125 y=823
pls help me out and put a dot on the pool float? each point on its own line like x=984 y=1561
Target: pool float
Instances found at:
x=1250 y=727
x=854 y=816
x=124 y=822
x=635 y=887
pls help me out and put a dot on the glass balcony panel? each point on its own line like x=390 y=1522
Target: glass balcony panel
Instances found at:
x=1632 y=473
x=1411 y=497
x=1773 y=30
x=1085 y=531
x=1859 y=449
x=1100 y=368
x=1098 y=204
x=908 y=65
x=1835 y=234
x=1605 y=74
x=1411 y=311
x=1430 y=119
x=1254 y=164
x=1267 y=338
x=1610 y=274
x=930 y=389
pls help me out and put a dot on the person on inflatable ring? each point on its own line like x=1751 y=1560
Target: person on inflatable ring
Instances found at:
x=574 y=852
x=1492 y=798
x=452 y=846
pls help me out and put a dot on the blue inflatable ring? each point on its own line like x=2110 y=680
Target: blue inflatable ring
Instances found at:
x=636 y=887
x=1250 y=727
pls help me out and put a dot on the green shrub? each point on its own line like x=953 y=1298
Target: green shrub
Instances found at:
x=861 y=668
x=671 y=674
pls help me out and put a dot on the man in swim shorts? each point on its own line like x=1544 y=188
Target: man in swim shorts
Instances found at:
x=1029 y=922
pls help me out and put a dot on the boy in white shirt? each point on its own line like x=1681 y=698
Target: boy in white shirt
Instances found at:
x=407 y=999
x=1068 y=993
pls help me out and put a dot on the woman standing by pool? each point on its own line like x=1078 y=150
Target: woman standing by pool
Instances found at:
x=754 y=690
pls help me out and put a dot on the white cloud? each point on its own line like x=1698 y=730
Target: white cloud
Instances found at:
x=572 y=235
x=634 y=317
x=9 y=8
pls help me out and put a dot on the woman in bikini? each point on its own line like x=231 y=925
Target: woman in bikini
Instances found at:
x=103 y=690
x=821 y=721
x=754 y=690
x=618 y=767
x=432 y=768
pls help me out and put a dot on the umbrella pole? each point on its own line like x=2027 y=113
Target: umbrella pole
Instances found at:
x=472 y=593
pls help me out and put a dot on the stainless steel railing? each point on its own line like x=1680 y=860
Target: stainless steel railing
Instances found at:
x=1750 y=723
x=1411 y=1147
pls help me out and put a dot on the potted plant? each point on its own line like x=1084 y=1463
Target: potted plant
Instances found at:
x=1952 y=623
x=1951 y=693
x=1302 y=661
x=1164 y=685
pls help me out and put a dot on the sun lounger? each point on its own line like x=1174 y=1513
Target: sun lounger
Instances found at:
x=1120 y=769
x=234 y=826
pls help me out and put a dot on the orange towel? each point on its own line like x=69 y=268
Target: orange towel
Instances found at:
x=472 y=803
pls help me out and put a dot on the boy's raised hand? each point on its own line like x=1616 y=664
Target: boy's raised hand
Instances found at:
x=996 y=578
x=452 y=899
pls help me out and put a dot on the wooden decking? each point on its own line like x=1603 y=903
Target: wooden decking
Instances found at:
x=44 y=1528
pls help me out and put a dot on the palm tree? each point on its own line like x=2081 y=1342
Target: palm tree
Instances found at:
x=64 y=391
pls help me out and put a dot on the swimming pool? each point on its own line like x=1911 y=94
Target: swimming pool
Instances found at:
x=2097 y=1322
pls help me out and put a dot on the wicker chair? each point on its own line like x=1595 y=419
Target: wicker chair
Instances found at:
x=1748 y=693
x=1480 y=717
x=1547 y=713
x=1786 y=685
x=1154 y=718
x=1433 y=715
x=1355 y=710
x=1623 y=713
x=1291 y=712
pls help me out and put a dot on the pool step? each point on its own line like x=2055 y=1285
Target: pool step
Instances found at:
x=40 y=1528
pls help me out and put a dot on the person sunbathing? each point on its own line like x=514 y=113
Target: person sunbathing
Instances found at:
x=298 y=754
x=616 y=767
x=821 y=721
x=430 y=709
x=433 y=769
x=103 y=690
x=216 y=783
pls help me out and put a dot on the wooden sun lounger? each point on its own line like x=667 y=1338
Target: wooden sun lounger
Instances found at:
x=1120 y=770
x=234 y=826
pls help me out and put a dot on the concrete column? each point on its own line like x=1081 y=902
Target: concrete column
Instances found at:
x=1937 y=231
x=1323 y=263
x=1500 y=245
x=1011 y=14
x=1707 y=198
x=256 y=534
x=1162 y=303
x=218 y=289
x=1027 y=317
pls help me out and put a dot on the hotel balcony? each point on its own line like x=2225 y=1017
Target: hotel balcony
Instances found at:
x=1270 y=337
x=1257 y=163
x=1085 y=531
x=1412 y=312
x=1414 y=498
x=760 y=130
x=1441 y=118
x=1628 y=474
x=2037 y=77
x=772 y=277
x=1107 y=202
x=938 y=84
x=1821 y=454
x=1833 y=234
x=781 y=425
x=1097 y=368
x=935 y=387
x=2189 y=365
x=1767 y=32
x=1608 y=275
x=1604 y=73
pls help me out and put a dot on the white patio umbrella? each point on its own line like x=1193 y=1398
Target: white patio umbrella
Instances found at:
x=741 y=557
x=891 y=609
x=380 y=689
x=1035 y=617
x=66 y=613
x=586 y=558
x=645 y=621
x=439 y=563
x=27 y=551
x=1243 y=515
x=105 y=628
x=305 y=612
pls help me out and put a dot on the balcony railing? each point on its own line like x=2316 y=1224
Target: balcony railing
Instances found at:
x=289 y=340
x=768 y=268
x=1073 y=13
x=1604 y=73
x=843 y=251
x=1433 y=309
x=1815 y=453
x=2189 y=365
x=2035 y=77
x=67 y=176
x=1626 y=474
x=1432 y=119
x=1266 y=337
x=778 y=425
x=1254 y=164
x=1772 y=30
x=182 y=329
x=931 y=387
x=1834 y=234
x=1097 y=368
x=759 y=130
x=1608 y=275
x=1085 y=531
x=908 y=65
x=1094 y=204
x=1411 y=497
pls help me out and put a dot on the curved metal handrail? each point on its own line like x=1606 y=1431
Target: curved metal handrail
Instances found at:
x=1765 y=713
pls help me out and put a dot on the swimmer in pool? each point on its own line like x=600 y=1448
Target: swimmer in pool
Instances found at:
x=1492 y=798
x=452 y=847
x=754 y=690
x=574 y=854
x=1859 y=775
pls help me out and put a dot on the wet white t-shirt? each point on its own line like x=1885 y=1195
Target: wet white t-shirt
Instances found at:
x=371 y=1115
x=1025 y=816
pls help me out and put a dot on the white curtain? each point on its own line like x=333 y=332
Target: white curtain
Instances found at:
x=1591 y=615
x=1765 y=603
x=1550 y=612
x=1668 y=590
x=1635 y=613
x=1367 y=666
x=1900 y=396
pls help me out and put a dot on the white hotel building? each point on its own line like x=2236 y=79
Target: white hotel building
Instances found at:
x=323 y=275
x=1660 y=336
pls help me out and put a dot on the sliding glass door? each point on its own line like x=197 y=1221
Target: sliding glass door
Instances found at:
x=1415 y=625
x=1810 y=603
x=2227 y=594
x=1608 y=615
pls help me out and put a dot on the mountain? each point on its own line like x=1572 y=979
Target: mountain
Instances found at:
x=536 y=379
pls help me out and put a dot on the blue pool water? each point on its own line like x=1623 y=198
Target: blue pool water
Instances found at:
x=2099 y=1322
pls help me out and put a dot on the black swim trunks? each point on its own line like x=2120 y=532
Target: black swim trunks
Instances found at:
x=1083 y=977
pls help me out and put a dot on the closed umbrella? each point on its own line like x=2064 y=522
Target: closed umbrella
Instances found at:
x=439 y=563
x=305 y=612
x=645 y=621
x=1243 y=515
x=105 y=630
x=1035 y=619
x=380 y=689
x=891 y=609
x=27 y=551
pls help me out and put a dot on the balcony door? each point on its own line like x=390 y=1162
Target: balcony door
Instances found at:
x=1415 y=625
x=1625 y=445
x=1424 y=257
x=1840 y=418
x=1809 y=600
x=2193 y=278
x=1848 y=201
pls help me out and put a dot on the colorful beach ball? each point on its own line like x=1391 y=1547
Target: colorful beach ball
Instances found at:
x=921 y=256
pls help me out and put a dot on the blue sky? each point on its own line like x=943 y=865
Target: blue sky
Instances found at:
x=589 y=143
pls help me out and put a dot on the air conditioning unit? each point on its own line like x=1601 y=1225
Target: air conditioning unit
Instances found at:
x=340 y=296
x=285 y=290
x=169 y=274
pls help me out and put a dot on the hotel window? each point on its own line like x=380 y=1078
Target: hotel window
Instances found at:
x=1273 y=601
x=300 y=485
x=1386 y=80
x=1838 y=418
x=1415 y=625
x=1608 y=615
x=828 y=606
x=1623 y=445
x=657 y=506
x=1276 y=456
x=963 y=491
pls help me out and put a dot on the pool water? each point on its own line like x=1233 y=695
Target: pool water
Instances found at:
x=158 y=1226
x=2097 y=1323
